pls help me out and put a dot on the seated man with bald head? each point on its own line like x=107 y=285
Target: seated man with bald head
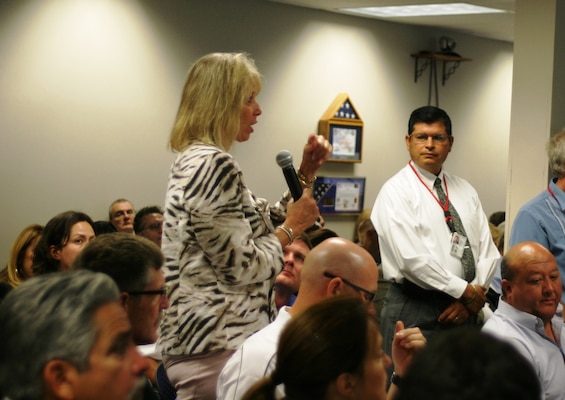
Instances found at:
x=333 y=267
x=528 y=315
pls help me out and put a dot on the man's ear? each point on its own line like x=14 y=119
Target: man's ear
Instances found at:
x=124 y=297
x=60 y=379
x=55 y=253
x=345 y=385
x=334 y=287
x=506 y=288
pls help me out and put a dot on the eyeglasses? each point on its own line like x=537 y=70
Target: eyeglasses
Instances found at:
x=154 y=227
x=423 y=138
x=367 y=294
x=158 y=292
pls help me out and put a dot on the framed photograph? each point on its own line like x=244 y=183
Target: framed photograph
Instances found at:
x=346 y=140
x=339 y=196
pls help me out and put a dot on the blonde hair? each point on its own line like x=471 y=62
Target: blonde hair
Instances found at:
x=13 y=273
x=215 y=90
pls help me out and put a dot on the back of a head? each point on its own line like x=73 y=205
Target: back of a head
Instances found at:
x=556 y=154
x=314 y=237
x=126 y=258
x=497 y=217
x=338 y=256
x=466 y=364
x=316 y=346
x=45 y=318
x=56 y=233
x=429 y=115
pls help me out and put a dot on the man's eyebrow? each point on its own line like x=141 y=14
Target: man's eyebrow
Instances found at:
x=121 y=342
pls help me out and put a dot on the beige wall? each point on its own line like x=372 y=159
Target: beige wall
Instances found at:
x=89 y=91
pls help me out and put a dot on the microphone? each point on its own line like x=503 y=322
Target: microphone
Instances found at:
x=284 y=160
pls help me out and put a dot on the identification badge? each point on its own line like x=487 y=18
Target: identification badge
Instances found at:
x=458 y=242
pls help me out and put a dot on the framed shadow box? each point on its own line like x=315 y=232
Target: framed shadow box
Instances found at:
x=343 y=128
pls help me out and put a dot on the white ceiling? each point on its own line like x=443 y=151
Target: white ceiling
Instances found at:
x=499 y=26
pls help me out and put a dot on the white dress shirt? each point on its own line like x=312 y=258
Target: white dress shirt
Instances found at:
x=253 y=360
x=414 y=239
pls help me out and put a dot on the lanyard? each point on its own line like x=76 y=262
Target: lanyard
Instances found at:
x=444 y=207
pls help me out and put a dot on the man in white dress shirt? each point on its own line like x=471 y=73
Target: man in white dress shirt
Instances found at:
x=434 y=237
x=333 y=267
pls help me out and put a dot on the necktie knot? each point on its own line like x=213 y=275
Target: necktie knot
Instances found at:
x=439 y=190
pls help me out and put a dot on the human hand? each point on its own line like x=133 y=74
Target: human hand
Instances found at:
x=455 y=313
x=316 y=151
x=405 y=344
x=302 y=213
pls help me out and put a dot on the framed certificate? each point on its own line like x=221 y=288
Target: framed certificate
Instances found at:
x=339 y=196
x=346 y=142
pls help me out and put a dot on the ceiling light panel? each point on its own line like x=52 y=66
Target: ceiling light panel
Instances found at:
x=422 y=10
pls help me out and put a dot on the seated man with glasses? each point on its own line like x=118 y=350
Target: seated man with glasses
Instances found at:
x=148 y=222
x=333 y=267
x=134 y=263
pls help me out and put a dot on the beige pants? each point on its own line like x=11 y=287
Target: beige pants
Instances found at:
x=195 y=377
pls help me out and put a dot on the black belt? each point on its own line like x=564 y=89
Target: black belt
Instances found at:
x=414 y=291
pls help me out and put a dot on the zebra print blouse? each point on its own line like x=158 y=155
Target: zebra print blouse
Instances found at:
x=221 y=256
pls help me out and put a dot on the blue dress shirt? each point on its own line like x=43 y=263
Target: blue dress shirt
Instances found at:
x=526 y=333
x=542 y=220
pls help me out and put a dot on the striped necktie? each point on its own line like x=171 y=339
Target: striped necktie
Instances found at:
x=467 y=259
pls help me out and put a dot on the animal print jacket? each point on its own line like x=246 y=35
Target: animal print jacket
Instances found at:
x=221 y=254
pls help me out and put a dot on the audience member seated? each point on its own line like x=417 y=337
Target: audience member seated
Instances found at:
x=120 y=218
x=134 y=263
x=65 y=336
x=335 y=266
x=465 y=364
x=148 y=222
x=20 y=261
x=63 y=238
x=288 y=281
x=498 y=219
x=332 y=350
x=529 y=313
x=369 y=240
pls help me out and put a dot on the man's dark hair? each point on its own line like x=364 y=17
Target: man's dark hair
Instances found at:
x=429 y=115
x=465 y=364
x=126 y=258
x=138 y=220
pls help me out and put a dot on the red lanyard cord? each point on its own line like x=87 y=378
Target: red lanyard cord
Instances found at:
x=444 y=207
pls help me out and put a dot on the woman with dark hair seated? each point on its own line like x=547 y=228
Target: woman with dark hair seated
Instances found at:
x=333 y=350
x=63 y=238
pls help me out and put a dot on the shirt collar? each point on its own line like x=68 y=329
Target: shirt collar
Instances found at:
x=430 y=178
x=532 y=322
x=558 y=194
